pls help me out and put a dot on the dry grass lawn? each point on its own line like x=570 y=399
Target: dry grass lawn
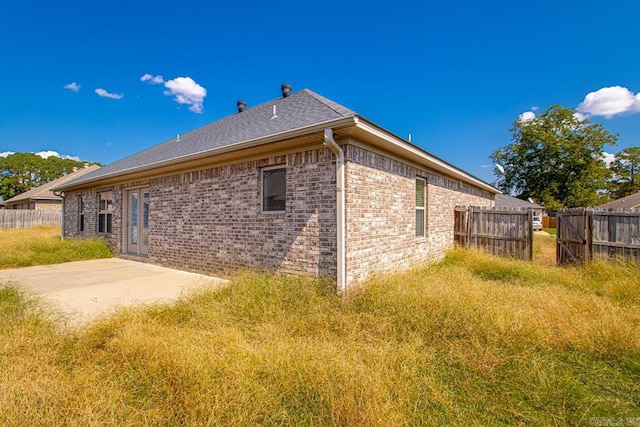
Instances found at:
x=42 y=245
x=472 y=340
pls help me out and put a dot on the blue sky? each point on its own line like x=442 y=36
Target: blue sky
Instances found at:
x=453 y=74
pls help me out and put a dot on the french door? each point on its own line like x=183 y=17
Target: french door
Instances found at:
x=138 y=221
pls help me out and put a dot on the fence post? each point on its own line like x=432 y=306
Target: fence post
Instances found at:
x=589 y=234
x=469 y=221
x=530 y=233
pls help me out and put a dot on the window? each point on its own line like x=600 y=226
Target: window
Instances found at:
x=81 y=212
x=105 y=210
x=274 y=189
x=421 y=186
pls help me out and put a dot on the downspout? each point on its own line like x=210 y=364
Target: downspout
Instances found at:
x=331 y=143
x=61 y=194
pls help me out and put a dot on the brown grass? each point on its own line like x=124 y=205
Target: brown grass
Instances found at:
x=472 y=340
x=42 y=245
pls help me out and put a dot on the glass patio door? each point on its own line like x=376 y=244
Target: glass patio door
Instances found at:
x=138 y=221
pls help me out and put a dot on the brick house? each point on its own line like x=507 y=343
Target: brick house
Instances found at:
x=296 y=185
x=43 y=197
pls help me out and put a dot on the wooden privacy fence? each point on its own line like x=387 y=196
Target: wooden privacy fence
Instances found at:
x=573 y=236
x=499 y=231
x=582 y=233
x=24 y=218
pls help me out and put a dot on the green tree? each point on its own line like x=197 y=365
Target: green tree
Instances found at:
x=626 y=173
x=555 y=158
x=20 y=172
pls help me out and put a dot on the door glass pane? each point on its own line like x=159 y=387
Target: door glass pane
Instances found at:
x=133 y=218
x=145 y=215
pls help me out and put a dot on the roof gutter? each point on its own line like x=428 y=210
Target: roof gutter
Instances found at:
x=343 y=121
x=433 y=162
x=331 y=143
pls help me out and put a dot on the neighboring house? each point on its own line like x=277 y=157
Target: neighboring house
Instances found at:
x=42 y=197
x=504 y=201
x=296 y=185
x=1 y=203
x=631 y=202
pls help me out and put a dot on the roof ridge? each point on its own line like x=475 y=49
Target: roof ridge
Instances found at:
x=338 y=108
x=231 y=116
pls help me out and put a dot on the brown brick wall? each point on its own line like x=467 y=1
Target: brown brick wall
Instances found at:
x=72 y=216
x=209 y=220
x=380 y=204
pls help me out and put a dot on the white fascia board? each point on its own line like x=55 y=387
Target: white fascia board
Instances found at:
x=428 y=159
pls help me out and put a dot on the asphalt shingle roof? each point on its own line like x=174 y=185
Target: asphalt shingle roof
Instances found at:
x=300 y=109
x=45 y=191
x=632 y=201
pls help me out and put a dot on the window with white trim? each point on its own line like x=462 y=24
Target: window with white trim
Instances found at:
x=105 y=211
x=273 y=189
x=421 y=204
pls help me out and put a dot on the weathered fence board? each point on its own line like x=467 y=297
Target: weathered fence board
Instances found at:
x=585 y=233
x=24 y=218
x=573 y=236
x=501 y=232
x=616 y=234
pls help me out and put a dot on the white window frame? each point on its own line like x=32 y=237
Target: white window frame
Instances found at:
x=270 y=168
x=421 y=208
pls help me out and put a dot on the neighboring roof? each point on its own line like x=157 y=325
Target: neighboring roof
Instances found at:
x=632 y=201
x=300 y=113
x=45 y=191
x=504 y=201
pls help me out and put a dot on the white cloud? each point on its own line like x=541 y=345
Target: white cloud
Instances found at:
x=45 y=155
x=186 y=91
x=579 y=116
x=103 y=93
x=73 y=86
x=152 y=79
x=50 y=153
x=610 y=101
x=608 y=158
x=527 y=116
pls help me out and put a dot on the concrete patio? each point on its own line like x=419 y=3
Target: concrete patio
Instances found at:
x=87 y=289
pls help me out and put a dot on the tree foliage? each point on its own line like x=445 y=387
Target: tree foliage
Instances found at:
x=20 y=172
x=555 y=158
x=626 y=173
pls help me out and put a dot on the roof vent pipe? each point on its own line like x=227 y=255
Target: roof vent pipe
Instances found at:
x=286 y=89
x=242 y=105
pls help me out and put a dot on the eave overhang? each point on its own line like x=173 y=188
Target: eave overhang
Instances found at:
x=274 y=144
